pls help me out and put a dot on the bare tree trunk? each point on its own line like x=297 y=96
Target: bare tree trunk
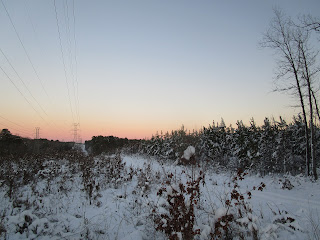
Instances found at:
x=295 y=67
x=313 y=157
x=307 y=77
x=316 y=104
x=304 y=115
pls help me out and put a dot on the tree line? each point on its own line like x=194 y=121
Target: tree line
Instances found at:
x=12 y=145
x=274 y=147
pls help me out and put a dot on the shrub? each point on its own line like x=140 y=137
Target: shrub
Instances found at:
x=112 y=168
x=236 y=217
x=177 y=221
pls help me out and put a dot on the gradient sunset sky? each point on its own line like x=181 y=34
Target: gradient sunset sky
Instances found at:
x=132 y=68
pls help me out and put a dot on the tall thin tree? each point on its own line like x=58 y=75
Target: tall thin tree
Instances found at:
x=307 y=58
x=280 y=37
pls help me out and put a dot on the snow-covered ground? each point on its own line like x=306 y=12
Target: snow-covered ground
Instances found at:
x=57 y=206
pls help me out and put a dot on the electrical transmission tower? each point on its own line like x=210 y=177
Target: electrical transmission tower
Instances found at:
x=37 y=133
x=75 y=132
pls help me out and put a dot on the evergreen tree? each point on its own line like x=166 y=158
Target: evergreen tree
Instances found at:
x=267 y=147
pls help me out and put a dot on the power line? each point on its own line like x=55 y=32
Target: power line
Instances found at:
x=26 y=131
x=76 y=60
x=20 y=132
x=73 y=72
x=28 y=13
x=72 y=61
x=22 y=94
x=27 y=90
x=33 y=67
x=69 y=44
x=11 y=121
x=18 y=125
x=64 y=65
x=25 y=50
x=23 y=82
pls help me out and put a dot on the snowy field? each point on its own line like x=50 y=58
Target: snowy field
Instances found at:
x=67 y=200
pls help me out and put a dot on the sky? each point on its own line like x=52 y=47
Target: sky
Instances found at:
x=132 y=68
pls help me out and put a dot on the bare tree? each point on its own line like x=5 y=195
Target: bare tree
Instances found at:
x=310 y=23
x=307 y=58
x=281 y=38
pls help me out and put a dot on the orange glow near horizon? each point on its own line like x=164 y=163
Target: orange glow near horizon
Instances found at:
x=131 y=129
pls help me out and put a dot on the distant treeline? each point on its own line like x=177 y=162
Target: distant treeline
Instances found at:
x=17 y=146
x=101 y=144
x=274 y=147
x=109 y=144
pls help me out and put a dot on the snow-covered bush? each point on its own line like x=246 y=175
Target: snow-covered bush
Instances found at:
x=235 y=217
x=286 y=184
x=174 y=215
x=90 y=186
x=146 y=177
x=282 y=220
x=28 y=224
x=111 y=170
x=188 y=153
x=169 y=145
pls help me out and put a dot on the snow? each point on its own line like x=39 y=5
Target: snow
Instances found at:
x=220 y=212
x=136 y=235
x=58 y=207
x=205 y=233
x=189 y=152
